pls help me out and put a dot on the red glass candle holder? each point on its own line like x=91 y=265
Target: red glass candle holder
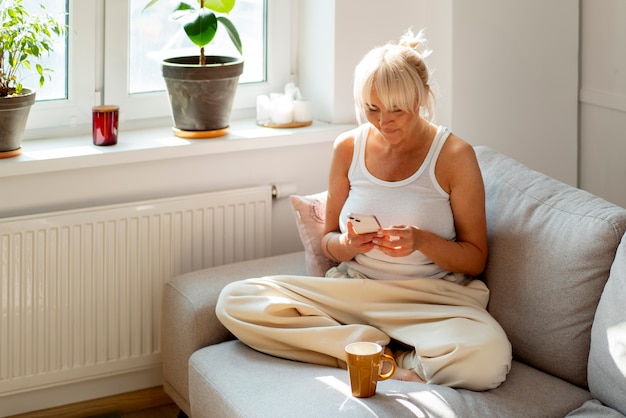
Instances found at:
x=105 y=120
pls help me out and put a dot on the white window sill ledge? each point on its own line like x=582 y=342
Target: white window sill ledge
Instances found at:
x=49 y=155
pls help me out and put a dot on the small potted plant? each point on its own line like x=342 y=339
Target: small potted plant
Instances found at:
x=24 y=37
x=202 y=88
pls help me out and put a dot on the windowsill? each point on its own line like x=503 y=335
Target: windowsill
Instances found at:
x=138 y=145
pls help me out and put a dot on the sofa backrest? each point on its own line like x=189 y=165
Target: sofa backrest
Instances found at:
x=551 y=247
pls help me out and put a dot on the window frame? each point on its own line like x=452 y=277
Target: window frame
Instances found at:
x=99 y=75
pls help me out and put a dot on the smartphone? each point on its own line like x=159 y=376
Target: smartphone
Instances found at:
x=364 y=224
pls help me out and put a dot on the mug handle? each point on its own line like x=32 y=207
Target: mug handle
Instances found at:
x=383 y=358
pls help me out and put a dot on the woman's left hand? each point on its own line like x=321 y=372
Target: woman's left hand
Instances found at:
x=398 y=240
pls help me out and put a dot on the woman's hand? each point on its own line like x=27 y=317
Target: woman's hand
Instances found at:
x=342 y=247
x=398 y=240
x=360 y=243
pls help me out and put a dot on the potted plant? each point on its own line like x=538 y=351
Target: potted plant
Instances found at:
x=202 y=88
x=23 y=37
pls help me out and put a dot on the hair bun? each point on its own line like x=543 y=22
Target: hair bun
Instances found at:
x=416 y=42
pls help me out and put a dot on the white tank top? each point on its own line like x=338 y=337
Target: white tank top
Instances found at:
x=417 y=200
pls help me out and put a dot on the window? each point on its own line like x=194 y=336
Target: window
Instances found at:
x=56 y=83
x=112 y=56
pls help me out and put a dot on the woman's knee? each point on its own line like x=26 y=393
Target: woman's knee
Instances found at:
x=224 y=307
x=489 y=364
x=257 y=300
x=478 y=365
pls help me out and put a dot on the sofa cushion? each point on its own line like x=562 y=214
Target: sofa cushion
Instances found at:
x=310 y=213
x=232 y=380
x=607 y=358
x=550 y=251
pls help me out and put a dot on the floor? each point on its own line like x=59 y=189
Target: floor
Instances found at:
x=146 y=403
x=167 y=411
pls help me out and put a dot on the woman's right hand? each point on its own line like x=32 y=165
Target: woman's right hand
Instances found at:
x=345 y=246
x=360 y=243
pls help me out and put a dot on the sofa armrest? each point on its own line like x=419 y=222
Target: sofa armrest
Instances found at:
x=189 y=321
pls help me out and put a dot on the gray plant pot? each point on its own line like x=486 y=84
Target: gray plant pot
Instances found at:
x=201 y=97
x=13 y=117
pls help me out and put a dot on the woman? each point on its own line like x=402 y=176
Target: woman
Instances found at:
x=408 y=285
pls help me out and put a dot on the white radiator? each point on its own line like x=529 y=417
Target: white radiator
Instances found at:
x=80 y=290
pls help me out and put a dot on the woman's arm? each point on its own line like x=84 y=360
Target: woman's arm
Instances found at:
x=338 y=246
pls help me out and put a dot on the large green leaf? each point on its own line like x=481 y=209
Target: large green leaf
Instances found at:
x=202 y=28
x=220 y=6
x=232 y=32
x=200 y=24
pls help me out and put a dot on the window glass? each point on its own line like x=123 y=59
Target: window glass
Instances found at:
x=155 y=35
x=55 y=86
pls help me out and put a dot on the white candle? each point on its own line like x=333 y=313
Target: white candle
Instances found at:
x=282 y=112
x=302 y=111
x=263 y=111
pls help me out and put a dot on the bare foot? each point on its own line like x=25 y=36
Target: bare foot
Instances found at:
x=405 y=375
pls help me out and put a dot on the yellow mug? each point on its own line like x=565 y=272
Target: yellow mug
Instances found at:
x=364 y=366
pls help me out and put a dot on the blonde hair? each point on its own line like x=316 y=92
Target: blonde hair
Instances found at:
x=400 y=76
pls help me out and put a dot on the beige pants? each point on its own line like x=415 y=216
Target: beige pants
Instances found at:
x=311 y=319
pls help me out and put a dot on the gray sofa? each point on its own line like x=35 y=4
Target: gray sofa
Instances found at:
x=557 y=275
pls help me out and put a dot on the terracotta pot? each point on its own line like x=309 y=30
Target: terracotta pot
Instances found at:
x=13 y=117
x=201 y=97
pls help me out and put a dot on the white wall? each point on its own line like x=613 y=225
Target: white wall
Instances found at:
x=515 y=80
x=603 y=99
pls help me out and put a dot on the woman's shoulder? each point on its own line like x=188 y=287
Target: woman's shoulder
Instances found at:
x=457 y=161
x=344 y=146
x=351 y=135
x=344 y=143
x=456 y=148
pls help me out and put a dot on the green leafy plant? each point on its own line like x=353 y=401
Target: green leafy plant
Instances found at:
x=23 y=37
x=200 y=22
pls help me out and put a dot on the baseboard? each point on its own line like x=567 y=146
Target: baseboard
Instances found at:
x=90 y=392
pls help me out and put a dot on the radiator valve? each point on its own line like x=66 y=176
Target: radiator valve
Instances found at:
x=283 y=190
